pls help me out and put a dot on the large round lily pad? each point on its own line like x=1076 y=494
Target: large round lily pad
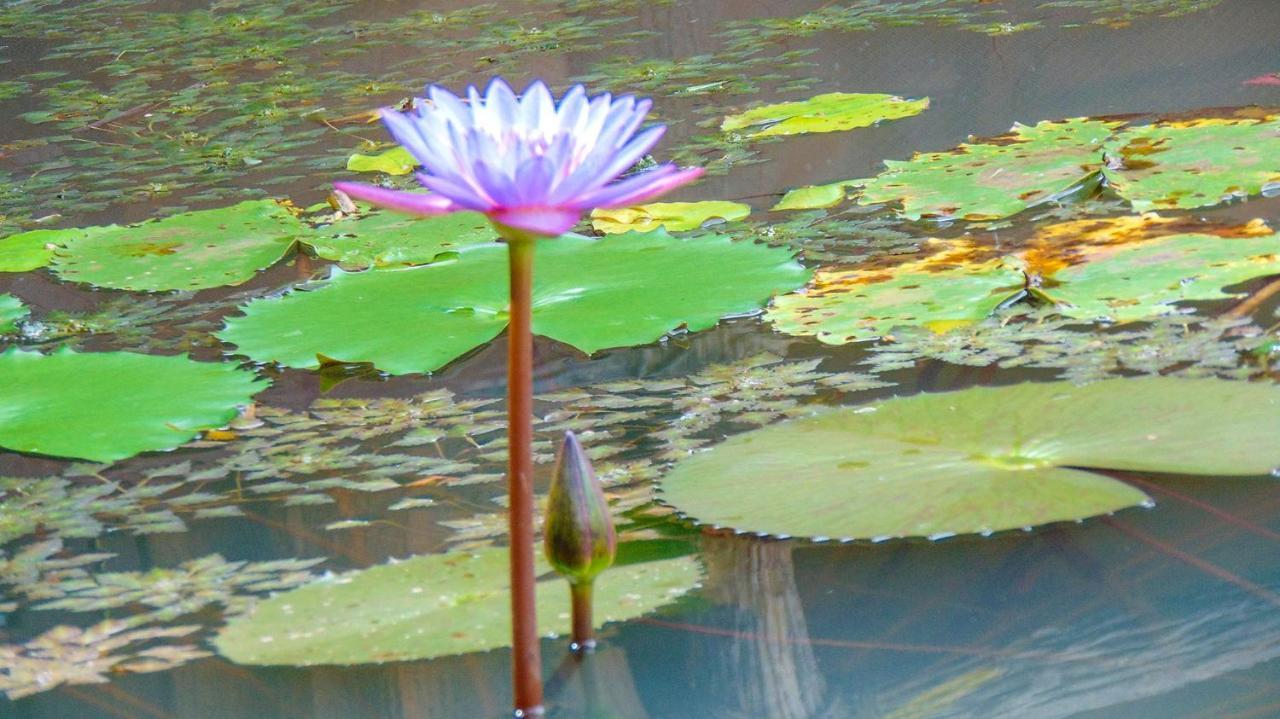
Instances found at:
x=11 y=310
x=32 y=250
x=996 y=178
x=978 y=460
x=612 y=292
x=432 y=606
x=388 y=239
x=1184 y=164
x=190 y=251
x=831 y=112
x=106 y=406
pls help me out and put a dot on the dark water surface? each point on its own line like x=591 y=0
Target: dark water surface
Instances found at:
x=1171 y=612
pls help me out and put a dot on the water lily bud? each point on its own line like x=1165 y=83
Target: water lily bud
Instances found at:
x=580 y=539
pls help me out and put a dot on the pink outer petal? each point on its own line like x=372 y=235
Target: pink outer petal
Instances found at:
x=639 y=188
x=545 y=221
x=414 y=203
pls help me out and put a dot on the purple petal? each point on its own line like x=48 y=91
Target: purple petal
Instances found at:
x=545 y=221
x=588 y=174
x=639 y=188
x=414 y=203
x=408 y=134
x=537 y=107
x=461 y=195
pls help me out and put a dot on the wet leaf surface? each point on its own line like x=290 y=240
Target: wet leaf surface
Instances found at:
x=386 y=239
x=814 y=197
x=111 y=405
x=396 y=161
x=190 y=251
x=11 y=310
x=830 y=112
x=975 y=461
x=27 y=251
x=433 y=606
x=593 y=294
x=671 y=216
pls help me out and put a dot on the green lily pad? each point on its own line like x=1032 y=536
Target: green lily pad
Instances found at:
x=432 y=606
x=816 y=197
x=32 y=250
x=388 y=239
x=832 y=112
x=396 y=161
x=1194 y=163
x=976 y=461
x=1136 y=282
x=11 y=310
x=190 y=251
x=616 y=291
x=940 y=292
x=105 y=406
x=996 y=178
x=672 y=216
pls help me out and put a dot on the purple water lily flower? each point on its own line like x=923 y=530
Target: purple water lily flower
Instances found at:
x=525 y=162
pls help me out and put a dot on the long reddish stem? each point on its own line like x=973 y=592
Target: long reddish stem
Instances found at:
x=584 y=639
x=526 y=661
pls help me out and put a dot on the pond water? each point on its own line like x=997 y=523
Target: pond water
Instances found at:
x=115 y=111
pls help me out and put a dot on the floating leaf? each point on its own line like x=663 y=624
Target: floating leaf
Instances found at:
x=432 y=606
x=106 y=406
x=32 y=250
x=386 y=239
x=1194 y=163
x=940 y=292
x=814 y=197
x=996 y=178
x=612 y=292
x=1120 y=269
x=396 y=161
x=11 y=310
x=831 y=112
x=673 y=216
x=190 y=251
x=978 y=460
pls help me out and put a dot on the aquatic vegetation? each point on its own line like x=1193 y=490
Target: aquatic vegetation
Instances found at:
x=190 y=251
x=433 y=606
x=815 y=197
x=1116 y=270
x=11 y=311
x=593 y=294
x=975 y=461
x=385 y=239
x=396 y=161
x=671 y=216
x=56 y=404
x=27 y=251
x=829 y=112
x=996 y=178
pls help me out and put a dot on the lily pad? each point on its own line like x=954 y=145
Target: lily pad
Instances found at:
x=11 y=310
x=432 y=606
x=1194 y=163
x=388 y=239
x=996 y=178
x=106 y=406
x=815 y=197
x=616 y=291
x=976 y=461
x=190 y=251
x=28 y=251
x=1120 y=269
x=940 y=292
x=672 y=216
x=831 y=112
x=396 y=161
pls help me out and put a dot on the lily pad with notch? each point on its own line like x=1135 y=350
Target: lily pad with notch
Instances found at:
x=433 y=606
x=387 y=239
x=616 y=291
x=106 y=406
x=979 y=460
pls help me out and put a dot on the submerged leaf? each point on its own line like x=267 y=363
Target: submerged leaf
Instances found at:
x=671 y=216
x=191 y=251
x=593 y=294
x=831 y=112
x=432 y=606
x=106 y=406
x=978 y=460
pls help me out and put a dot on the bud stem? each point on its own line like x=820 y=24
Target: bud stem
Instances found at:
x=584 y=639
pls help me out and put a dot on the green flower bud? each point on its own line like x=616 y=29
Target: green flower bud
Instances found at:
x=580 y=539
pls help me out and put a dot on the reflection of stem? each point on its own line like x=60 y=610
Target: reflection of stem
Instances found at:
x=1255 y=300
x=525 y=659
x=583 y=637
